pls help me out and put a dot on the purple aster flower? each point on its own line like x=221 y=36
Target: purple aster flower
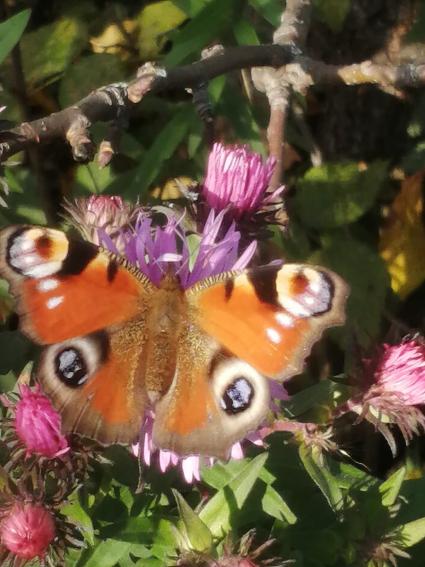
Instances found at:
x=154 y=250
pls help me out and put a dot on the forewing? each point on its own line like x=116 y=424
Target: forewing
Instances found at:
x=67 y=288
x=270 y=317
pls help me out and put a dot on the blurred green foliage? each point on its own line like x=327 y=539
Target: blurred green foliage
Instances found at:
x=322 y=511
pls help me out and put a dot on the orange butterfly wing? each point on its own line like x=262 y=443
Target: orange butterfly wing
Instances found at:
x=271 y=316
x=91 y=308
x=66 y=288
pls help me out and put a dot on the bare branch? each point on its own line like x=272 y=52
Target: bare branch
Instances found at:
x=288 y=69
x=109 y=102
x=293 y=28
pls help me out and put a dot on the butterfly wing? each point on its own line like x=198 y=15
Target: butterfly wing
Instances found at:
x=209 y=405
x=242 y=328
x=67 y=288
x=91 y=308
x=271 y=316
x=94 y=382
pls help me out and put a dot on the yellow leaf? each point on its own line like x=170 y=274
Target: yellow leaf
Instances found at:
x=174 y=188
x=403 y=239
x=114 y=39
x=155 y=20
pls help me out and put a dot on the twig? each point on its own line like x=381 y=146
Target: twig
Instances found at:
x=294 y=71
x=275 y=83
x=107 y=103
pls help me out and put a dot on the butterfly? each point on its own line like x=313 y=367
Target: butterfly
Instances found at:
x=116 y=344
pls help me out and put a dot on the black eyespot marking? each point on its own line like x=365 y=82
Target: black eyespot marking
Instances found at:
x=264 y=282
x=71 y=367
x=238 y=396
x=327 y=302
x=112 y=270
x=10 y=241
x=80 y=254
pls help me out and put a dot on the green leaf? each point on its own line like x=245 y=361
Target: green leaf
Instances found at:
x=336 y=194
x=75 y=512
x=15 y=350
x=390 y=488
x=316 y=465
x=154 y=22
x=333 y=12
x=274 y=505
x=11 y=31
x=222 y=473
x=197 y=534
x=162 y=149
x=366 y=274
x=108 y=553
x=270 y=10
x=245 y=33
x=411 y=533
x=205 y=27
x=88 y=74
x=191 y=7
x=218 y=511
x=56 y=46
x=321 y=393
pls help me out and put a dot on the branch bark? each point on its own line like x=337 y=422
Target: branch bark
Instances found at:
x=291 y=69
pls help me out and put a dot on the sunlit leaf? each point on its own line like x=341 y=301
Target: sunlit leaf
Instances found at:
x=316 y=465
x=57 y=44
x=391 y=487
x=404 y=236
x=75 y=512
x=108 y=553
x=11 y=31
x=114 y=39
x=333 y=195
x=217 y=512
x=412 y=532
x=154 y=21
x=274 y=505
x=197 y=533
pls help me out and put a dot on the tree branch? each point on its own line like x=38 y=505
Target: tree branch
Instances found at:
x=293 y=28
x=111 y=102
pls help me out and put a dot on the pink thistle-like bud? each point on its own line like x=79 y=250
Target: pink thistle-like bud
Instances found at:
x=238 y=179
x=27 y=530
x=101 y=218
x=38 y=424
x=401 y=371
x=396 y=378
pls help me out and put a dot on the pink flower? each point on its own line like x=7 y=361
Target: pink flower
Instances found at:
x=27 y=530
x=190 y=466
x=38 y=424
x=237 y=180
x=401 y=371
x=396 y=385
x=101 y=215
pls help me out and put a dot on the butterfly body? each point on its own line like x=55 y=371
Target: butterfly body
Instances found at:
x=117 y=345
